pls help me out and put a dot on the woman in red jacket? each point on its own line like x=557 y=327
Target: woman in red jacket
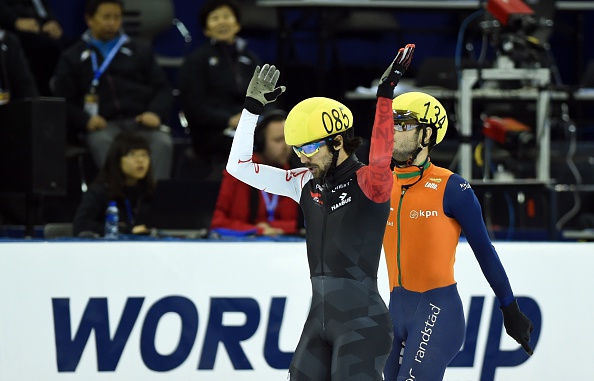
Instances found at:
x=244 y=210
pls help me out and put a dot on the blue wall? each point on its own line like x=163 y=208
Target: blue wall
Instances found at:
x=433 y=31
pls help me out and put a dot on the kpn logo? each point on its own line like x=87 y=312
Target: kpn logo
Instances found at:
x=414 y=214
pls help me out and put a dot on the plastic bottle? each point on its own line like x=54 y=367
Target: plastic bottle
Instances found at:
x=112 y=217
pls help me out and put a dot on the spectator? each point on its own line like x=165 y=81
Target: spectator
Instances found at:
x=213 y=81
x=242 y=209
x=16 y=80
x=126 y=178
x=40 y=34
x=112 y=83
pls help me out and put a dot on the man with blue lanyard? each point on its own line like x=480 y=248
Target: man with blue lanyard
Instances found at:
x=112 y=83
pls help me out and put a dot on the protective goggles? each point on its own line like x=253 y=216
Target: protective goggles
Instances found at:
x=405 y=120
x=309 y=149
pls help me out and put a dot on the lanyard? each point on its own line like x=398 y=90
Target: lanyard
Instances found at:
x=271 y=202
x=40 y=9
x=130 y=213
x=99 y=71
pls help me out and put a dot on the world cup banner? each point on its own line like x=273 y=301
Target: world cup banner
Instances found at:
x=211 y=311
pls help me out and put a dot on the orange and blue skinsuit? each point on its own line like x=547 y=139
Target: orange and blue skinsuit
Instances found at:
x=430 y=206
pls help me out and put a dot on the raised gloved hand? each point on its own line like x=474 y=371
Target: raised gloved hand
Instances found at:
x=517 y=325
x=262 y=90
x=391 y=76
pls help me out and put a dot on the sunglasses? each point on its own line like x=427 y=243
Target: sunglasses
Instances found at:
x=405 y=120
x=309 y=149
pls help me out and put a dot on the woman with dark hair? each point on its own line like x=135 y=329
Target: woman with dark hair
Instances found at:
x=127 y=179
x=213 y=80
x=244 y=210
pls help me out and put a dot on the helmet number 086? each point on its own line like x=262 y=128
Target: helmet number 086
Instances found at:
x=336 y=122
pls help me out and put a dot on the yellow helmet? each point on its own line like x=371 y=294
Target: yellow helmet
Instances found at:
x=316 y=118
x=425 y=108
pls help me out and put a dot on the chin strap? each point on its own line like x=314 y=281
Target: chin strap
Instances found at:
x=330 y=172
x=413 y=157
x=409 y=161
x=422 y=168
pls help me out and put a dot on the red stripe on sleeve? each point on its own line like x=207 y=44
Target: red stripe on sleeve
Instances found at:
x=376 y=179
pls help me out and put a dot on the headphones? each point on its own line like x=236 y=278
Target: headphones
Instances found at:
x=263 y=122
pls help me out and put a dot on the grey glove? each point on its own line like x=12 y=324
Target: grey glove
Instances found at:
x=391 y=76
x=262 y=90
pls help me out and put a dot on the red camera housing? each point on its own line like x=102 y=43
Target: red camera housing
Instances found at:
x=503 y=9
x=502 y=129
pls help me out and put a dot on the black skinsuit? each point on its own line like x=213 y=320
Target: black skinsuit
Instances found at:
x=348 y=320
x=348 y=333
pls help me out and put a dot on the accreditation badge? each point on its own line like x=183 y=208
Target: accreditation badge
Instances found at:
x=92 y=104
x=4 y=97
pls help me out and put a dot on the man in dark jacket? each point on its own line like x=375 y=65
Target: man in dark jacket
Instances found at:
x=40 y=35
x=113 y=83
x=16 y=80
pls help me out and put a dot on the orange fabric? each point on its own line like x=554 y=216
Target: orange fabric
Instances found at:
x=420 y=240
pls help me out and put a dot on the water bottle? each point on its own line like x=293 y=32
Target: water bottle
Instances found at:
x=112 y=217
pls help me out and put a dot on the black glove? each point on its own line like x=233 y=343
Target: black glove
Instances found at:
x=261 y=89
x=391 y=76
x=517 y=325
